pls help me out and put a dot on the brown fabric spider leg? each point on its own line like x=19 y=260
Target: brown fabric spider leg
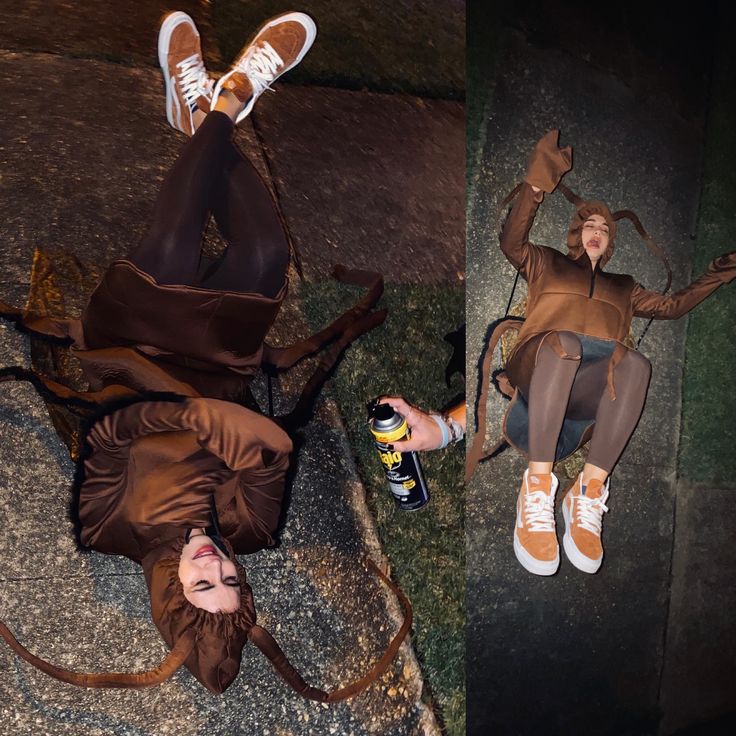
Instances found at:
x=346 y=328
x=477 y=452
x=173 y=660
x=282 y=358
x=268 y=645
x=38 y=326
x=78 y=402
x=302 y=410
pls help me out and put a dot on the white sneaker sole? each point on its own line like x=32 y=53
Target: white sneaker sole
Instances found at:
x=532 y=564
x=173 y=108
x=578 y=559
x=311 y=30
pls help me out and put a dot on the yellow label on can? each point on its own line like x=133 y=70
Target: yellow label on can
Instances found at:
x=408 y=484
x=392 y=435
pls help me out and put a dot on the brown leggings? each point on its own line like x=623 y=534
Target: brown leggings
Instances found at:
x=212 y=176
x=577 y=388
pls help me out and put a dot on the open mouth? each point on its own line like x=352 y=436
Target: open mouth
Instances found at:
x=205 y=551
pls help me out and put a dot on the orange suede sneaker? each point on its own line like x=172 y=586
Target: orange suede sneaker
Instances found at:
x=583 y=508
x=188 y=86
x=535 y=541
x=280 y=44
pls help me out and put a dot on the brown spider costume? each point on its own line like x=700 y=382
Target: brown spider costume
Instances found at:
x=162 y=321
x=574 y=338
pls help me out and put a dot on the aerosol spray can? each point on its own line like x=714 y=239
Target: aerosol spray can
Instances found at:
x=403 y=471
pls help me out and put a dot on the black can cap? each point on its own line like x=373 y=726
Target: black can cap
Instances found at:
x=383 y=412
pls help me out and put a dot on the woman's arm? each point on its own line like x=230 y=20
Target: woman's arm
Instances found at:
x=426 y=432
x=238 y=436
x=546 y=167
x=646 y=303
x=524 y=256
x=187 y=449
x=243 y=439
x=116 y=431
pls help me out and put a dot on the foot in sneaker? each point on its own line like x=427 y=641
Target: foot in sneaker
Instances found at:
x=535 y=540
x=278 y=46
x=188 y=86
x=583 y=508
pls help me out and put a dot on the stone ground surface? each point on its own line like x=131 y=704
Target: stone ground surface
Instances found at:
x=700 y=664
x=81 y=176
x=401 y=46
x=579 y=646
x=410 y=221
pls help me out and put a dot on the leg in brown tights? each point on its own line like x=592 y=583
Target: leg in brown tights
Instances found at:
x=617 y=418
x=211 y=175
x=562 y=387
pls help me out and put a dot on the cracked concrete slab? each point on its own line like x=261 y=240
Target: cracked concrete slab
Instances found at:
x=386 y=188
x=90 y=29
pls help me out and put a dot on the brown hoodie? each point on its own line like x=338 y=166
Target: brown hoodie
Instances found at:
x=153 y=466
x=156 y=468
x=564 y=293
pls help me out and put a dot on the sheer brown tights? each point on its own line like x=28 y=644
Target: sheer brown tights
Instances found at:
x=211 y=176
x=575 y=388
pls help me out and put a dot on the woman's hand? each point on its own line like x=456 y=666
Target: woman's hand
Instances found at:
x=548 y=163
x=425 y=432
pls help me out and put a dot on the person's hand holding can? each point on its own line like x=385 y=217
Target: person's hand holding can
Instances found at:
x=428 y=431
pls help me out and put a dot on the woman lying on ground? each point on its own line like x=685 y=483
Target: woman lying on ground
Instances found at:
x=575 y=373
x=182 y=485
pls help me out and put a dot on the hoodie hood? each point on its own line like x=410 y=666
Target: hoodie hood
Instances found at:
x=219 y=637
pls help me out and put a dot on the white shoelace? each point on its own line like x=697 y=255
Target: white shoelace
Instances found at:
x=589 y=512
x=261 y=65
x=193 y=80
x=539 y=511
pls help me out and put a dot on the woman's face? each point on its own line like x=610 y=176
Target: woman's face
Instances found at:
x=595 y=237
x=209 y=578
